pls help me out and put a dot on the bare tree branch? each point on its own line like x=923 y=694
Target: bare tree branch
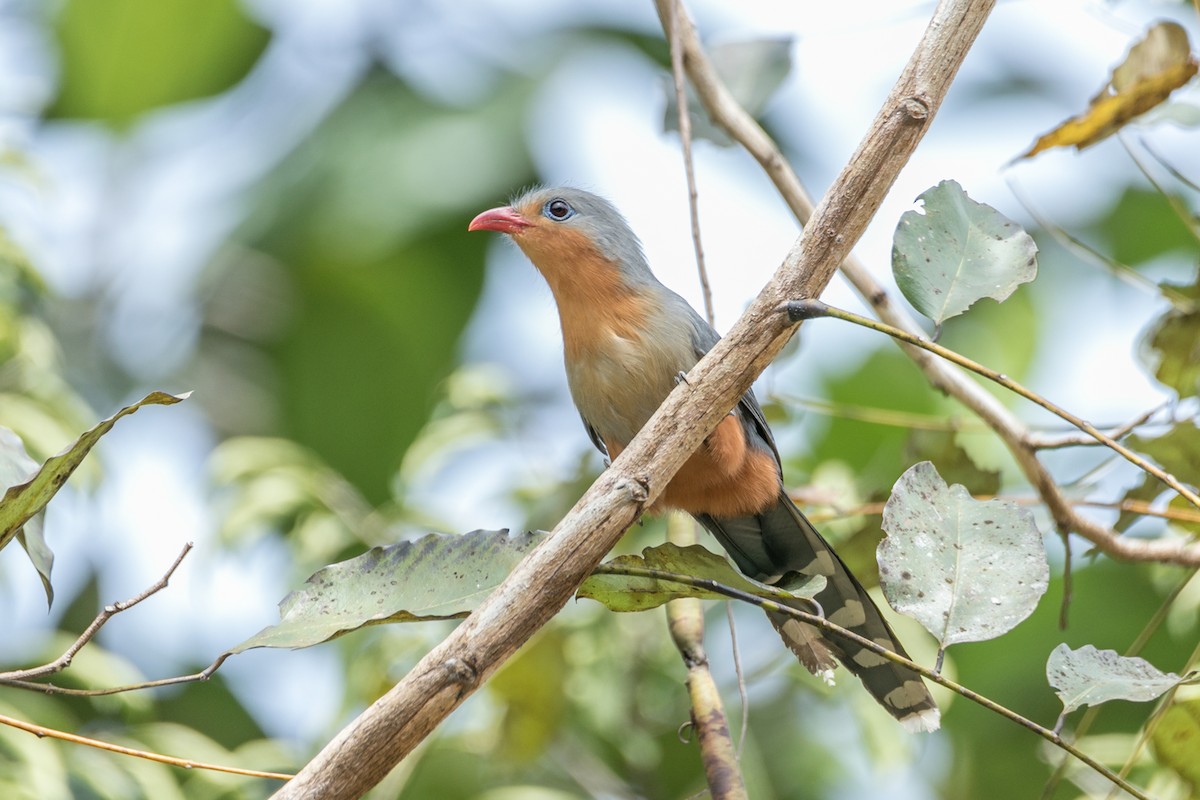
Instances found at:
x=41 y=731
x=24 y=677
x=726 y=112
x=685 y=618
x=371 y=745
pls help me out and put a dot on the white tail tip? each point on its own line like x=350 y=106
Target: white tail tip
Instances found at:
x=926 y=721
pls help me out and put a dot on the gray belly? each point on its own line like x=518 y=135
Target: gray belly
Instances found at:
x=618 y=386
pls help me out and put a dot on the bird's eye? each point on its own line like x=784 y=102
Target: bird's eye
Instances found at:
x=559 y=210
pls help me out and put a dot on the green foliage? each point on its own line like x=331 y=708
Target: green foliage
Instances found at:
x=435 y=577
x=967 y=570
x=122 y=58
x=29 y=488
x=956 y=251
x=1170 y=348
x=1087 y=677
x=381 y=280
x=1142 y=226
x=1177 y=740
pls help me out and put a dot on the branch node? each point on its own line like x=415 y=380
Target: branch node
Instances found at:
x=800 y=310
x=638 y=489
x=461 y=672
x=917 y=108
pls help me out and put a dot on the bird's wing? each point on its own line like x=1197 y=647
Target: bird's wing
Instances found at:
x=595 y=437
x=758 y=433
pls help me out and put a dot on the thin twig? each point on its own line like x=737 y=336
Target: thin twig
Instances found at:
x=43 y=732
x=1185 y=216
x=808 y=309
x=1133 y=506
x=674 y=11
x=1168 y=166
x=50 y=688
x=1044 y=441
x=1089 y=254
x=21 y=676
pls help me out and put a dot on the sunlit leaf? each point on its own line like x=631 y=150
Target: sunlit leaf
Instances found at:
x=1156 y=66
x=1176 y=740
x=23 y=500
x=623 y=592
x=967 y=570
x=438 y=576
x=957 y=251
x=17 y=467
x=752 y=71
x=1088 y=677
x=121 y=58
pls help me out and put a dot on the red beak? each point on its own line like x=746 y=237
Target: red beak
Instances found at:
x=504 y=220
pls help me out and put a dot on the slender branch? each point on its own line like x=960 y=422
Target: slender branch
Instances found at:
x=22 y=677
x=808 y=309
x=372 y=744
x=685 y=618
x=43 y=732
x=674 y=11
x=50 y=688
x=1044 y=441
x=821 y=622
x=1089 y=254
x=1133 y=506
x=727 y=113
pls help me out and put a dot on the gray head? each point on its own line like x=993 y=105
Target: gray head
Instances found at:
x=561 y=229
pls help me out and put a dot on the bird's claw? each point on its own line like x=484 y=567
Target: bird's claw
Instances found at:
x=681 y=377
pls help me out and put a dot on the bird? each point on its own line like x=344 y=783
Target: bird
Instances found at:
x=627 y=340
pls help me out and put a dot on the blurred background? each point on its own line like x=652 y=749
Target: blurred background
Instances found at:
x=265 y=203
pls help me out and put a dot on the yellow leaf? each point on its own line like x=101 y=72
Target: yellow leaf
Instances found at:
x=1156 y=66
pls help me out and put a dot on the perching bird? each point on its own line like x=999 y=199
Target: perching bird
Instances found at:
x=626 y=339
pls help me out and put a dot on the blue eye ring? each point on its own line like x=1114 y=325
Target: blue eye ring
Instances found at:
x=558 y=210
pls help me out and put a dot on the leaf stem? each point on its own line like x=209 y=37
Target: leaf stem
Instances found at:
x=808 y=309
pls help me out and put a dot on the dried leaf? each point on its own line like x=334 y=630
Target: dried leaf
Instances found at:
x=1156 y=66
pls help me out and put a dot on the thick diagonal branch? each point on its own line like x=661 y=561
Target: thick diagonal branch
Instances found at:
x=383 y=734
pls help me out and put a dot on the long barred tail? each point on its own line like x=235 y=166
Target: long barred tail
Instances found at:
x=769 y=545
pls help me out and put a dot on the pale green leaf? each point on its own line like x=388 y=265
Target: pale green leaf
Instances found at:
x=25 y=499
x=439 y=576
x=1088 y=677
x=17 y=467
x=967 y=570
x=958 y=251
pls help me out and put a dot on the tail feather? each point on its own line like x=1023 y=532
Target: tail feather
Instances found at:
x=781 y=540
